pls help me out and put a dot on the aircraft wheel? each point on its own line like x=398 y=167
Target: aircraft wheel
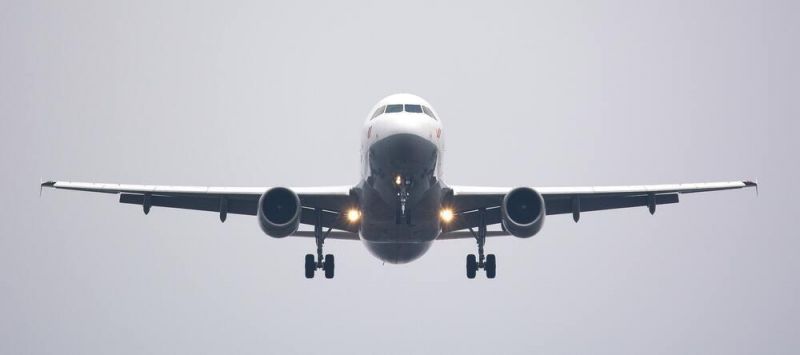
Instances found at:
x=328 y=266
x=311 y=266
x=491 y=266
x=472 y=266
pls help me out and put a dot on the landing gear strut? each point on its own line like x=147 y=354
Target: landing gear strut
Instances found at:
x=327 y=263
x=487 y=262
x=402 y=216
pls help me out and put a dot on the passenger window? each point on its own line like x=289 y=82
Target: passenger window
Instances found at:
x=428 y=112
x=414 y=108
x=379 y=111
x=394 y=108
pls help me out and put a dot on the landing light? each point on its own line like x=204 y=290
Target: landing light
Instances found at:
x=398 y=180
x=446 y=214
x=353 y=215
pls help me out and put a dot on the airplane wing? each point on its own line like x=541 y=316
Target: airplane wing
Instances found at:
x=224 y=200
x=467 y=200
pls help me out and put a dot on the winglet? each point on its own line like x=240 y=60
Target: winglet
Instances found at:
x=45 y=184
x=753 y=183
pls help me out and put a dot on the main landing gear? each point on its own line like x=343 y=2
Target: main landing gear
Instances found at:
x=326 y=264
x=488 y=262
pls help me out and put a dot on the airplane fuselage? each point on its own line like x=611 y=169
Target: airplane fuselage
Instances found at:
x=401 y=187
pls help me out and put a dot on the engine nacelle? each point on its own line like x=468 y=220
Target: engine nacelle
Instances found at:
x=523 y=212
x=279 y=212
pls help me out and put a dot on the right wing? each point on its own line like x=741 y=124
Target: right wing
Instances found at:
x=223 y=200
x=467 y=200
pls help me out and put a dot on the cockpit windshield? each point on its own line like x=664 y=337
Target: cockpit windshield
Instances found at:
x=414 y=108
x=394 y=108
x=401 y=108
x=428 y=112
x=379 y=111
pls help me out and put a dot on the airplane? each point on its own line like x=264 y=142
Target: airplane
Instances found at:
x=401 y=205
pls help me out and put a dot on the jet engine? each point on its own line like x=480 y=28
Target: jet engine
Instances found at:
x=279 y=212
x=523 y=212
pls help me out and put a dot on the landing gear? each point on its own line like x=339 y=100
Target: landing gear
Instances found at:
x=490 y=266
x=487 y=262
x=472 y=266
x=326 y=264
x=401 y=215
x=311 y=266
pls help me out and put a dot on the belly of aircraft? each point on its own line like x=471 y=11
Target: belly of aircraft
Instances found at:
x=391 y=233
x=402 y=242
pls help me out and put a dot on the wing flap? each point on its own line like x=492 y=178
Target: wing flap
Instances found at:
x=210 y=204
x=588 y=204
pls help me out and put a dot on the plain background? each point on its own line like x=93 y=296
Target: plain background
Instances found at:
x=531 y=93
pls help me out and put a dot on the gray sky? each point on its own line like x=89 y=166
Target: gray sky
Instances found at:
x=531 y=93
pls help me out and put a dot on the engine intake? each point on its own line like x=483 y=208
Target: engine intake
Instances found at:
x=279 y=212
x=523 y=212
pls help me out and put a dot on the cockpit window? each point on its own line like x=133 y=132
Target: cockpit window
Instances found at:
x=414 y=108
x=379 y=111
x=394 y=108
x=400 y=108
x=428 y=112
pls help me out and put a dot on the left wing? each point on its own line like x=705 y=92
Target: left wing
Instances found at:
x=223 y=200
x=560 y=200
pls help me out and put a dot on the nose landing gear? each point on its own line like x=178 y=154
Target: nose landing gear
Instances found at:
x=487 y=262
x=327 y=263
x=402 y=216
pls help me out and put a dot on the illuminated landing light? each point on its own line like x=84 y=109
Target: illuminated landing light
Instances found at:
x=353 y=215
x=446 y=215
x=398 y=180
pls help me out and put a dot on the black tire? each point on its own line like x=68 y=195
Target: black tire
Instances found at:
x=311 y=266
x=491 y=266
x=328 y=266
x=472 y=266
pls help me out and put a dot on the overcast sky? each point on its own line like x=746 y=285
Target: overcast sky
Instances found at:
x=530 y=93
